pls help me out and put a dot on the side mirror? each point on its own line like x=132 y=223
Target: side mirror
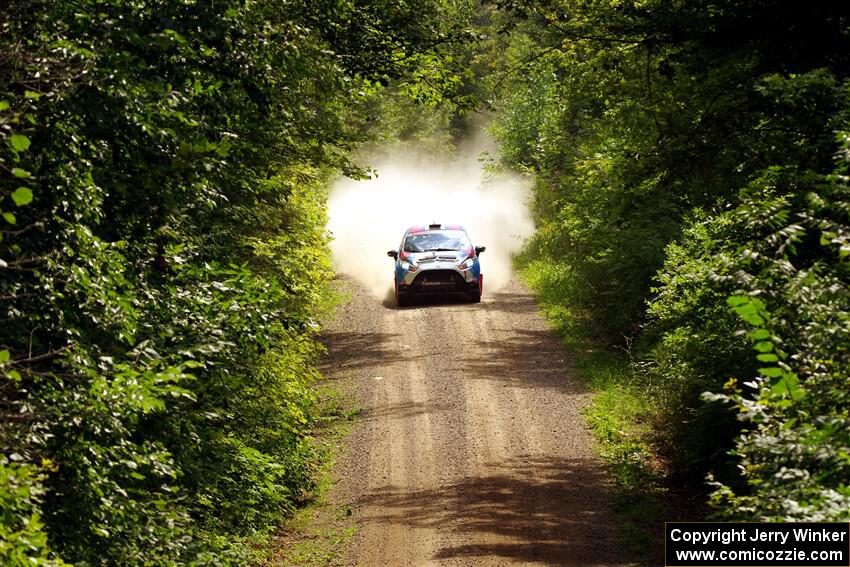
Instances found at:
x=480 y=249
x=393 y=254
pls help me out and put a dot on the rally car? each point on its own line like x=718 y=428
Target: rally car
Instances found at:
x=437 y=258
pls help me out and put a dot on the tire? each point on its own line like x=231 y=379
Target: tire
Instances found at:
x=475 y=296
x=401 y=299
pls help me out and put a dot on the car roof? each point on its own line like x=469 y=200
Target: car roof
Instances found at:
x=434 y=226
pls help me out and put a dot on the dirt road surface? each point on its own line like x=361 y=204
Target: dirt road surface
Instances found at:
x=471 y=449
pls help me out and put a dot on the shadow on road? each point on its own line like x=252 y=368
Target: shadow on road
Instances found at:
x=530 y=509
x=403 y=411
x=522 y=358
x=356 y=350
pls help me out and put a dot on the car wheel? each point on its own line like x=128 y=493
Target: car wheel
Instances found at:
x=475 y=296
x=401 y=299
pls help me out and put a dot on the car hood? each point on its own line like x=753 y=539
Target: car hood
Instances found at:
x=442 y=256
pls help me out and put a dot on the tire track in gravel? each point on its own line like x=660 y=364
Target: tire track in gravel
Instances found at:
x=471 y=449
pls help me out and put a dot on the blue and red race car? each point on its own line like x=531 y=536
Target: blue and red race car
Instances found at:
x=436 y=258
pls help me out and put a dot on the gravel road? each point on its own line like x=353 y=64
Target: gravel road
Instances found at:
x=471 y=449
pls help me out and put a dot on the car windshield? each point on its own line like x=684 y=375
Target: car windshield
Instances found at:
x=444 y=240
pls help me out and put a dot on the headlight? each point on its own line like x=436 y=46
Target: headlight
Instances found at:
x=407 y=266
x=468 y=263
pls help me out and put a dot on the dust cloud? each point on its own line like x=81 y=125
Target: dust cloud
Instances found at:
x=368 y=218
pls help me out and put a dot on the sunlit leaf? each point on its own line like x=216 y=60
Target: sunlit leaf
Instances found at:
x=22 y=196
x=19 y=142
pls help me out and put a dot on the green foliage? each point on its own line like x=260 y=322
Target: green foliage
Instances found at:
x=795 y=302
x=162 y=257
x=23 y=541
x=641 y=122
x=693 y=347
x=632 y=115
x=782 y=248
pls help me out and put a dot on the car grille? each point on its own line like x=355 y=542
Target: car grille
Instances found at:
x=438 y=280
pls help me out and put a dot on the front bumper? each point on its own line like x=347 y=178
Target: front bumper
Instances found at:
x=439 y=279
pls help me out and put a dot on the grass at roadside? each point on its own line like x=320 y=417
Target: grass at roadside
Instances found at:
x=619 y=417
x=318 y=534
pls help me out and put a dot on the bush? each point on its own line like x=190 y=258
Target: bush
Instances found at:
x=793 y=295
x=163 y=168
x=641 y=123
x=23 y=541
